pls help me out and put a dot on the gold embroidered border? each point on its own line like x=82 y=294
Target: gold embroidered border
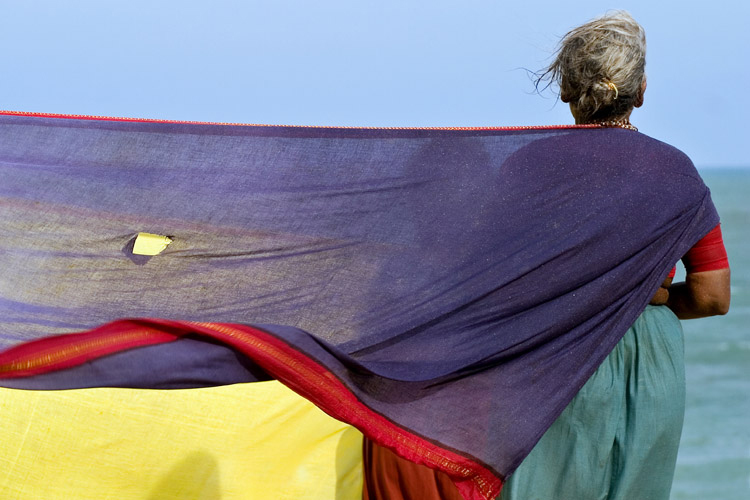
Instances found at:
x=331 y=386
x=58 y=355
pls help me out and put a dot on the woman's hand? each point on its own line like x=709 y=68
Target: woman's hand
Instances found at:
x=662 y=294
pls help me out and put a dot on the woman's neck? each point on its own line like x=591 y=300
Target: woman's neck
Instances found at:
x=625 y=118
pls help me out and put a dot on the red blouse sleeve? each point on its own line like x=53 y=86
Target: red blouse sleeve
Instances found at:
x=708 y=254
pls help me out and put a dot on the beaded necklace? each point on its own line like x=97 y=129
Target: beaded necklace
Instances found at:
x=624 y=123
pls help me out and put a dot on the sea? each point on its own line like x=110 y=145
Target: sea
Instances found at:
x=714 y=457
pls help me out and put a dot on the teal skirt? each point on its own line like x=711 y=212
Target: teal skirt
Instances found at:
x=618 y=438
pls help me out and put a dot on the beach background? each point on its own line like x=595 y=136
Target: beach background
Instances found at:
x=425 y=63
x=714 y=457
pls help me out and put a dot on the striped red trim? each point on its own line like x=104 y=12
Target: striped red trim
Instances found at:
x=299 y=372
x=66 y=351
x=314 y=382
x=152 y=120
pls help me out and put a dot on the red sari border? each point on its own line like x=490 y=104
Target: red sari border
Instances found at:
x=66 y=351
x=191 y=122
x=302 y=374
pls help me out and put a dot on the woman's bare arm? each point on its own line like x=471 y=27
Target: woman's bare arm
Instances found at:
x=700 y=295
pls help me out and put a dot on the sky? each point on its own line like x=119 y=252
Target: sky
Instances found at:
x=369 y=63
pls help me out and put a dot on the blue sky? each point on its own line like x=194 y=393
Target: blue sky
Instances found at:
x=368 y=63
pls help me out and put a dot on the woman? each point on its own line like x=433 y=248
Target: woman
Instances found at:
x=619 y=436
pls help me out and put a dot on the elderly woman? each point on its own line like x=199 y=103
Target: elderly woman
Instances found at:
x=619 y=436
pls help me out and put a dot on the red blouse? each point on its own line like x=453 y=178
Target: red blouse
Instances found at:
x=708 y=254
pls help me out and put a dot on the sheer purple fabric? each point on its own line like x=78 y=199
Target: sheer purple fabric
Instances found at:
x=463 y=283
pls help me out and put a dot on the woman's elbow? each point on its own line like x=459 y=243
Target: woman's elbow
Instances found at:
x=715 y=308
x=713 y=292
x=719 y=307
x=708 y=293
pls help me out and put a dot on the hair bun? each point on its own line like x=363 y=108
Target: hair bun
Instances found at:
x=591 y=58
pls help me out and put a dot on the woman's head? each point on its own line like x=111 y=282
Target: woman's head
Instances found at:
x=600 y=68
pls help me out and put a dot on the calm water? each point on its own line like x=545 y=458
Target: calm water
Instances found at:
x=714 y=458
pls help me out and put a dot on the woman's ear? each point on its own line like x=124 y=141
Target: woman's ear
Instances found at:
x=639 y=98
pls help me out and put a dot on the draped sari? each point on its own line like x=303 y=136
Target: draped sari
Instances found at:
x=445 y=291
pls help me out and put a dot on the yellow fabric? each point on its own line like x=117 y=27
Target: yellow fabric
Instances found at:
x=243 y=441
x=150 y=244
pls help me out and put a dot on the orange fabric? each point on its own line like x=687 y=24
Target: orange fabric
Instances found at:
x=390 y=477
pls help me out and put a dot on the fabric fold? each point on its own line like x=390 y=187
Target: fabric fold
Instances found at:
x=446 y=291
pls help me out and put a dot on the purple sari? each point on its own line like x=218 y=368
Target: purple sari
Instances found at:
x=446 y=291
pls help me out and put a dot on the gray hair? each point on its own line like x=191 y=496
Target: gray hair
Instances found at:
x=600 y=67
